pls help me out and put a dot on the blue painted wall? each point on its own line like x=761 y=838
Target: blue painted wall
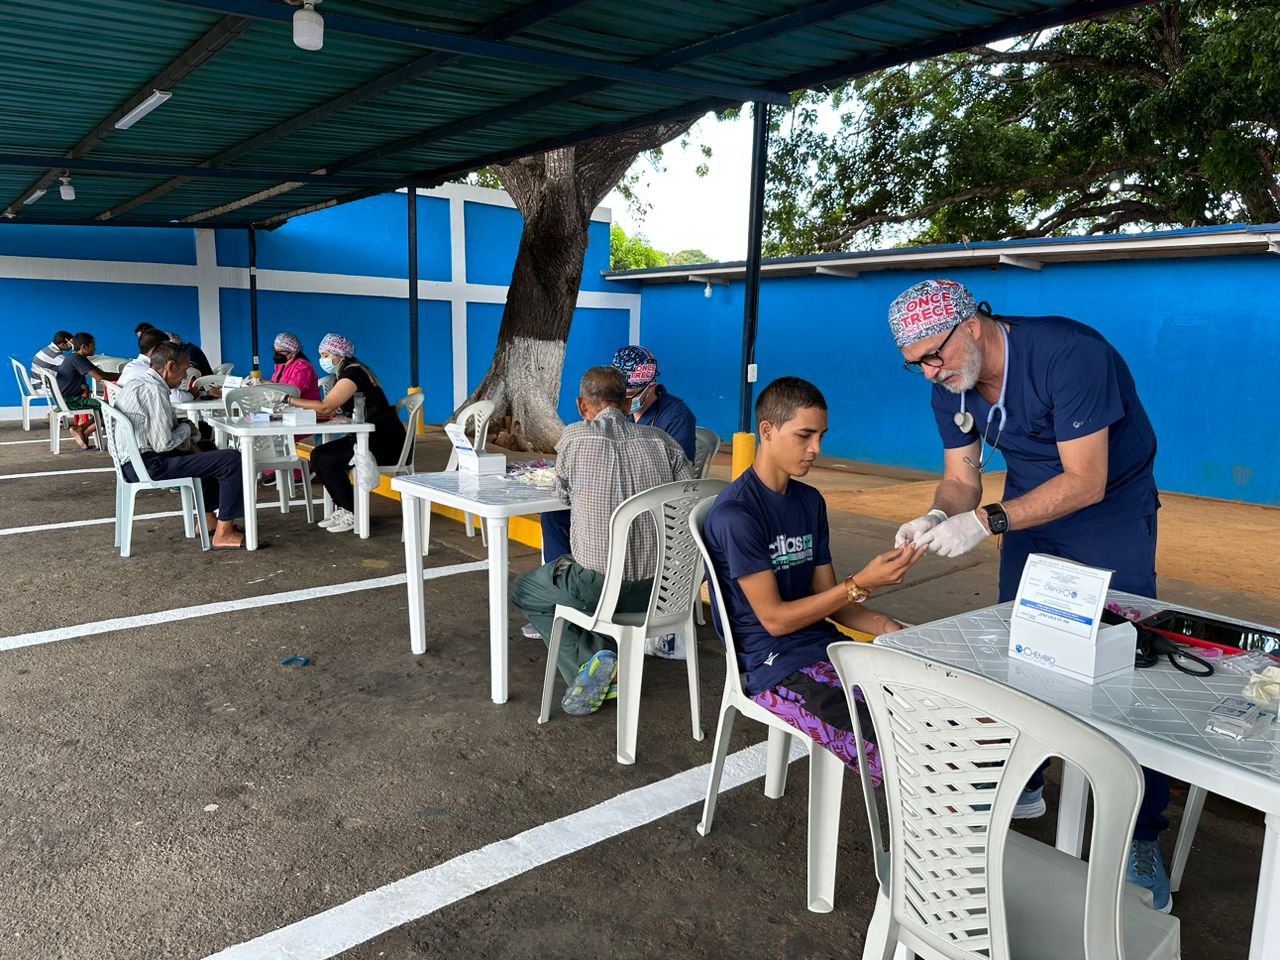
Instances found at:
x=129 y=244
x=1190 y=329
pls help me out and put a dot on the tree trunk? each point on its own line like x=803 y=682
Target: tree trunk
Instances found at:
x=556 y=193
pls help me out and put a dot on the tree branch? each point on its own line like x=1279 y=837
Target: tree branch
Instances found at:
x=1072 y=61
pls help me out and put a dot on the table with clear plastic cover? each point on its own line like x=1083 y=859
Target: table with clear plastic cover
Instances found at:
x=495 y=497
x=1157 y=713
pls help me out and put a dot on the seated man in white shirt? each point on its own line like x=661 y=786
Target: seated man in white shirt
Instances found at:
x=168 y=446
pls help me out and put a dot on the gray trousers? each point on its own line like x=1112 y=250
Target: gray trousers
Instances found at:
x=564 y=581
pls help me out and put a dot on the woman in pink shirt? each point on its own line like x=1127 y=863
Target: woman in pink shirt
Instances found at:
x=293 y=368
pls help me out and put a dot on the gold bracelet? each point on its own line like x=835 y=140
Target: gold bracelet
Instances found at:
x=857 y=594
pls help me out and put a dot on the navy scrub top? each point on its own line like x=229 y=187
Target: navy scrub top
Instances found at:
x=671 y=414
x=1065 y=382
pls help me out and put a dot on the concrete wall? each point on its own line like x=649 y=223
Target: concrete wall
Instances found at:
x=1199 y=335
x=343 y=269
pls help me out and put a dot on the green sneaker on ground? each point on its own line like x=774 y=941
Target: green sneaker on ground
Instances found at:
x=590 y=686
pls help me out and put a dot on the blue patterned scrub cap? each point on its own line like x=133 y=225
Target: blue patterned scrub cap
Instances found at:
x=928 y=308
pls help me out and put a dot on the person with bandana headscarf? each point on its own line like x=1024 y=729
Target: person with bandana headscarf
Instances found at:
x=1059 y=403
x=330 y=460
x=293 y=368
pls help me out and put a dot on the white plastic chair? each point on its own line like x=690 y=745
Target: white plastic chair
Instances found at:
x=326 y=383
x=826 y=771
x=707 y=445
x=222 y=370
x=108 y=364
x=675 y=583
x=477 y=415
x=277 y=453
x=110 y=391
x=59 y=411
x=213 y=381
x=956 y=749
x=411 y=406
x=28 y=393
x=122 y=444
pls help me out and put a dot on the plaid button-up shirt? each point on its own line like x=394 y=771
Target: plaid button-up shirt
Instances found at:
x=600 y=463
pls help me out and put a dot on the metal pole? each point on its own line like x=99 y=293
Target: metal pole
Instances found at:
x=253 y=300
x=751 y=295
x=413 y=287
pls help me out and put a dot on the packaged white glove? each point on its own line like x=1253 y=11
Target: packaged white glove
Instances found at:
x=954 y=537
x=914 y=529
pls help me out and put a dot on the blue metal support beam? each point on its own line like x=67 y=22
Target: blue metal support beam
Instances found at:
x=493 y=50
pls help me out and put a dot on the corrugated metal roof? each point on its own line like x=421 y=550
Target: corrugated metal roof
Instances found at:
x=404 y=92
x=1225 y=240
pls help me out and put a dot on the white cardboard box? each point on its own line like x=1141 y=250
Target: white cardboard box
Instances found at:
x=298 y=415
x=1056 y=619
x=483 y=463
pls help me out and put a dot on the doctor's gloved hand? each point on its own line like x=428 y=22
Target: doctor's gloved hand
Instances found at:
x=954 y=537
x=912 y=531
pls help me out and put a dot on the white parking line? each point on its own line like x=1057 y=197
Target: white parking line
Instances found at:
x=228 y=606
x=372 y=914
x=56 y=473
x=40 y=528
x=10 y=443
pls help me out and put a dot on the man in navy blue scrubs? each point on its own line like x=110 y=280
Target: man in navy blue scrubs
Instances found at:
x=1060 y=404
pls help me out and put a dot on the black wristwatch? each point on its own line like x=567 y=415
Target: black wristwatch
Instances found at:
x=997 y=519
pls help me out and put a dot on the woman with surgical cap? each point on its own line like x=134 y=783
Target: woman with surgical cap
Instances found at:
x=330 y=460
x=293 y=368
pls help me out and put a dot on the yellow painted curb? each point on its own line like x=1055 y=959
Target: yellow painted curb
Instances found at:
x=520 y=529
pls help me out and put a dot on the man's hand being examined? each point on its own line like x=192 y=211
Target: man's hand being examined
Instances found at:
x=889 y=567
x=955 y=537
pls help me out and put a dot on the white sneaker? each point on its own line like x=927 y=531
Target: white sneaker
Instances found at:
x=332 y=519
x=530 y=631
x=344 y=521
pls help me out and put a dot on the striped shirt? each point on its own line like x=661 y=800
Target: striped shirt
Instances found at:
x=145 y=401
x=600 y=463
x=50 y=358
x=140 y=365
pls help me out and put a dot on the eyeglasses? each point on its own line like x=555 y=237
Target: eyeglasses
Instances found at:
x=930 y=359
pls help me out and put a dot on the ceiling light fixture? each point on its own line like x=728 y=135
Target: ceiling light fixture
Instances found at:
x=707 y=292
x=35 y=195
x=154 y=100
x=308 y=26
x=66 y=191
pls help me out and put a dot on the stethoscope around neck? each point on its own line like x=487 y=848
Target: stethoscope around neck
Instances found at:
x=964 y=419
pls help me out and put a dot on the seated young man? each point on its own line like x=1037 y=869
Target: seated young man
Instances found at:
x=769 y=542
x=600 y=462
x=71 y=374
x=170 y=447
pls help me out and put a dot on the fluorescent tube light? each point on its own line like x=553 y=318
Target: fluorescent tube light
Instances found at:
x=35 y=195
x=156 y=98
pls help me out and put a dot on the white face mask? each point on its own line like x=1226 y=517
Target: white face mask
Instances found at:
x=637 y=402
x=327 y=365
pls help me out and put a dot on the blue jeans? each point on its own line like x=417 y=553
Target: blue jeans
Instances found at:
x=1129 y=548
x=555 y=535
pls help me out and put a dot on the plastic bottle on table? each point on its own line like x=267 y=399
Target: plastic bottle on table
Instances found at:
x=357 y=409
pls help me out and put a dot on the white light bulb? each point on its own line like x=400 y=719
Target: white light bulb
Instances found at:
x=707 y=292
x=1115 y=186
x=66 y=191
x=308 y=27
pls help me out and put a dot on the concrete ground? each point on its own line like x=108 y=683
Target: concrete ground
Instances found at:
x=169 y=789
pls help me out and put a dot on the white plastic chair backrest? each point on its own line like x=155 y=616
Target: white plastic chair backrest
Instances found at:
x=24 y=381
x=122 y=443
x=55 y=391
x=477 y=414
x=411 y=406
x=733 y=673
x=193 y=373
x=110 y=364
x=326 y=383
x=678 y=574
x=223 y=369
x=707 y=445
x=957 y=749
x=110 y=390
x=210 y=382
x=257 y=398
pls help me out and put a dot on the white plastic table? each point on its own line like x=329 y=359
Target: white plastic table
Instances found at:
x=1157 y=713
x=497 y=499
x=248 y=474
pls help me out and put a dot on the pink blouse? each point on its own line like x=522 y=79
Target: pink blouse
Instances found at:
x=298 y=372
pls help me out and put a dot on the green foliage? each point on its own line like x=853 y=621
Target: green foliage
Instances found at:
x=1163 y=115
x=632 y=253
x=684 y=258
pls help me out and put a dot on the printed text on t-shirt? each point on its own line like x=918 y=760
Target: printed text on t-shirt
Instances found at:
x=787 y=552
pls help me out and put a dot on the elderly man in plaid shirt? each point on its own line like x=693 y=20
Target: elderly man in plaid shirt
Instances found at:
x=600 y=462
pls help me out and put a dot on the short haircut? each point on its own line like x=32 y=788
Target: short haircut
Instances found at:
x=779 y=401
x=142 y=328
x=62 y=336
x=81 y=340
x=166 y=352
x=604 y=386
x=148 y=340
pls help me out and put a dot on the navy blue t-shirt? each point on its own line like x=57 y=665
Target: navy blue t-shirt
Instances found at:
x=1065 y=382
x=751 y=529
x=673 y=416
x=71 y=374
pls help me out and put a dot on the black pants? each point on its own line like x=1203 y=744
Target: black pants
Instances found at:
x=331 y=460
x=217 y=470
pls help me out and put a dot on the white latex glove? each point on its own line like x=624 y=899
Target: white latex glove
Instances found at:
x=954 y=537
x=914 y=529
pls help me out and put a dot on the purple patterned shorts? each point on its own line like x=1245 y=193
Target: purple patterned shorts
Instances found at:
x=812 y=701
